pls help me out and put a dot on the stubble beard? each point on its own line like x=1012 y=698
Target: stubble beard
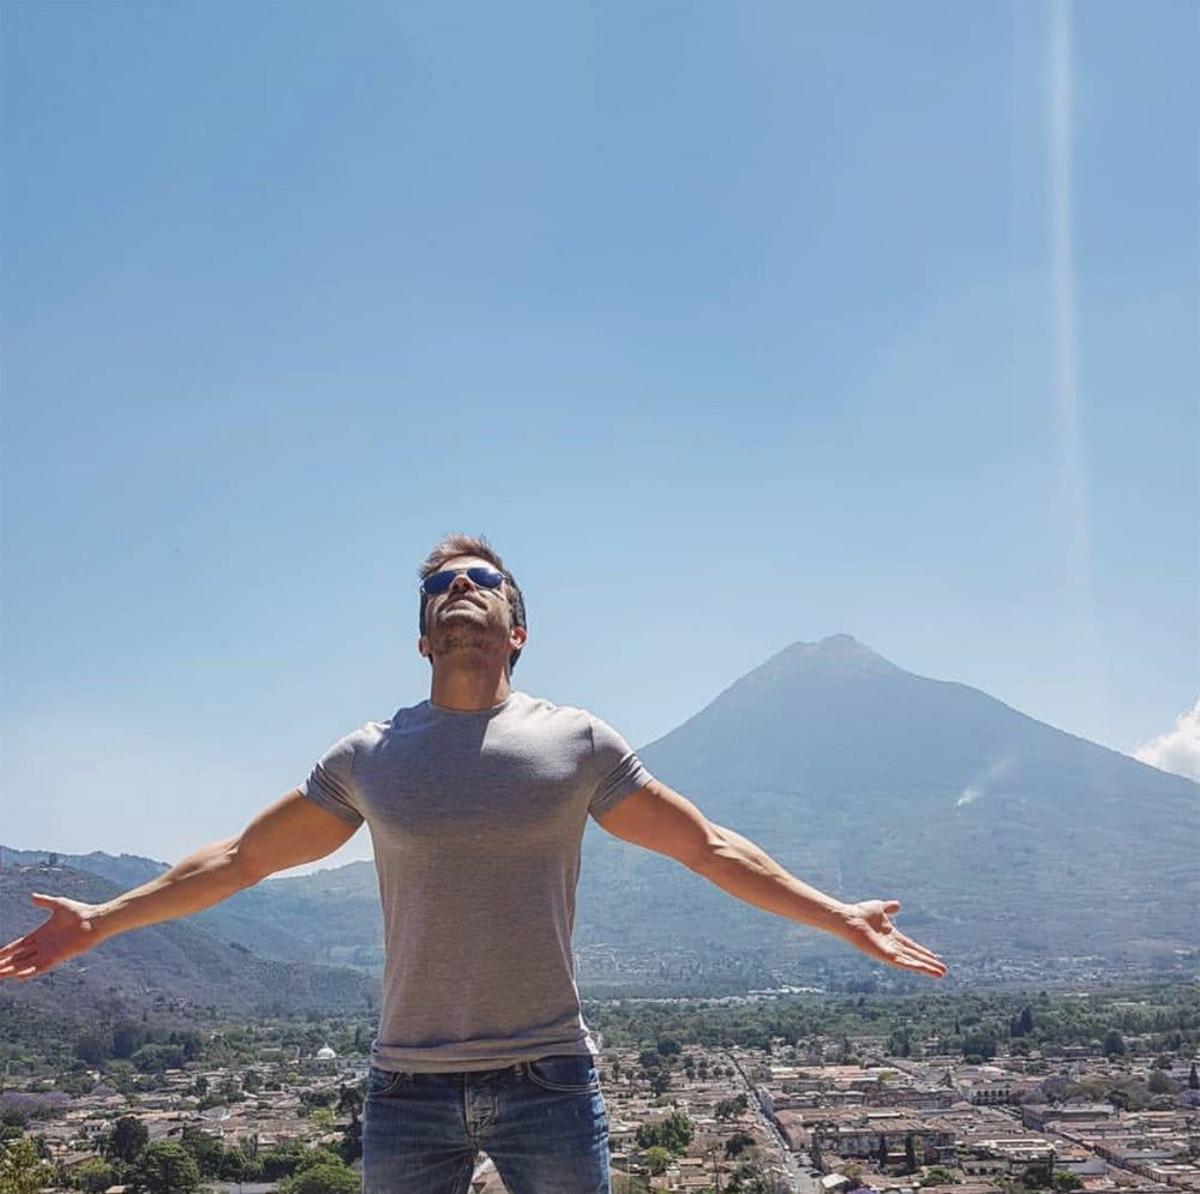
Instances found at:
x=464 y=635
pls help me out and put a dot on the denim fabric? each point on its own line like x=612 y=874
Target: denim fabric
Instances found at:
x=543 y=1123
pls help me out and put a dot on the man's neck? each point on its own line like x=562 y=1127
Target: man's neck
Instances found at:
x=468 y=689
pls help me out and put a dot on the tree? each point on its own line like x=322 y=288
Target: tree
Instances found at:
x=351 y=1146
x=939 y=1176
x=1193 y=1078
x=979 y=1043
x=737 y=1144
x=657 y=1159
x=326 y=1178
x=233 y=1166
x=126 y=1140
x=1160 y=1082
x=206 y=1150
x=93 y=1047
x=1114 y=1044
x=1023 y=1024
x=750 y=1179
x=281 y=1161
x=165 y=1167
x=674 y=1132
x=94 y=1176
x=22 y=1171
x=1064 y=1180
x=310 y=1158
x=731 y=1108
x=349 y=1101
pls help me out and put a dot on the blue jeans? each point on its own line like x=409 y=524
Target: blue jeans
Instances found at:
x=543 y=1123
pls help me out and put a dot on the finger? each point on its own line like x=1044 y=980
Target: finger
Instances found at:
x=45 y=901
x=908 y=941
x=933 y=969
x=18 y=961
x=891 y=907
x=917 y=948
x=25 y=969
x=920 y=967
x=902 y=956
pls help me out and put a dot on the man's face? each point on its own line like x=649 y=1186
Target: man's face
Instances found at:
x=468 y=618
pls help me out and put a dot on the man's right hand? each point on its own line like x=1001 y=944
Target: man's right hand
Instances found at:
x=68 y=932
x=290 y=832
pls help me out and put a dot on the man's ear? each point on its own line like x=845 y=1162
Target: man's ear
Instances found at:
x=423 y=646
x=518 y=637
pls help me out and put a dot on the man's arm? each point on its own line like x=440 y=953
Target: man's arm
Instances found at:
x=660 y=819
x=292 y=831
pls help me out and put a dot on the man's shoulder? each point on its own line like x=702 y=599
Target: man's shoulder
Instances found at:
x=527 y=703
x=366 y=735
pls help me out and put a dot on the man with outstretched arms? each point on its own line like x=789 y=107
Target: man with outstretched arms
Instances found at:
x=476 y=800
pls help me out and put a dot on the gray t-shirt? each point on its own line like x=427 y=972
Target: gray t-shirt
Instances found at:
x=476 y=820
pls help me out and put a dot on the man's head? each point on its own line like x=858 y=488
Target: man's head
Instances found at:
x=468 y=614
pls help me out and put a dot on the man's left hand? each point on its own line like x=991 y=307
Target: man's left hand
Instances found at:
x=868 y=926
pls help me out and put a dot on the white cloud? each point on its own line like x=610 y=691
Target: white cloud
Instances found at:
x=1178 y=750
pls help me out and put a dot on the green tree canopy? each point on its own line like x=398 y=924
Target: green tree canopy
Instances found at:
x=738 y=1143
x=94 y=1176
x=326 y=1178
x=1114 y=1043
x=165 y=1167
x=674 y=1132
x=657 y=1159
x=125 y=1140
x=22 y=1171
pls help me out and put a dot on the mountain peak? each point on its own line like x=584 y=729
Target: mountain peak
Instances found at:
x=838 y=650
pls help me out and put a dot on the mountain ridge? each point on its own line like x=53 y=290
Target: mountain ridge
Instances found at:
x=1000 y=833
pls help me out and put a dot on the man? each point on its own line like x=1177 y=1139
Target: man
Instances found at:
x=477 y=800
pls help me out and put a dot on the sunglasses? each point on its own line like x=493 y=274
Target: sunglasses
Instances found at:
x=439 y=582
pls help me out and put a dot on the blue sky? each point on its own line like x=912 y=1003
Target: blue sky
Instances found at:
x=731 y=324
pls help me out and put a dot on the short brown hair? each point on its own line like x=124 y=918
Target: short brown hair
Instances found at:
x=476 y=545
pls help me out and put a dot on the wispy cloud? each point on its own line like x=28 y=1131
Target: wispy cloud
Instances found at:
x=1178 y=750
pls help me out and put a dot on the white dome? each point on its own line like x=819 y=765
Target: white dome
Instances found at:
x=325 y=1053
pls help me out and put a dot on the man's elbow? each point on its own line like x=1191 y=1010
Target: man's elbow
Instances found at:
x=249 y=865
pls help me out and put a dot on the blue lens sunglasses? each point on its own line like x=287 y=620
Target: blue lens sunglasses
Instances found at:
x=439 y=582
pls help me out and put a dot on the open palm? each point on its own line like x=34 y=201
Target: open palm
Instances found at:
x=869 y=927
x=68 y=932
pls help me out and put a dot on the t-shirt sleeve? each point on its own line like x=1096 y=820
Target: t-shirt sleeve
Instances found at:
x=618 y=771
x=331 y=782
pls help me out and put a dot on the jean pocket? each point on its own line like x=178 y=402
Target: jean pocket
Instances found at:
x=381 y=1083
x=565 y=1073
